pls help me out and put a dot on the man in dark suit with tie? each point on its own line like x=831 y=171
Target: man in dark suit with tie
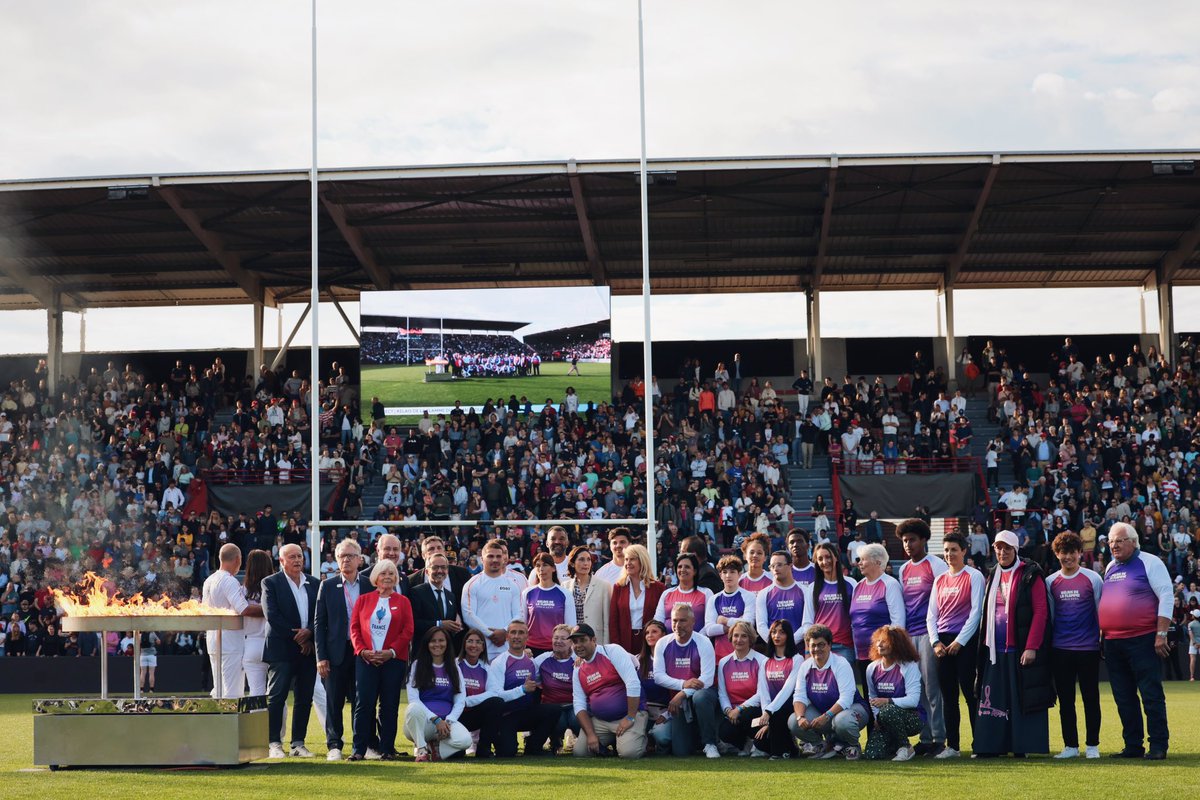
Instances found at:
x=290 y=604
x=335 y=653
x=434 y=604
x=457 y=576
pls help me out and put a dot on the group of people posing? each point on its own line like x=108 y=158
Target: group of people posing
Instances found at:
x=771 y=654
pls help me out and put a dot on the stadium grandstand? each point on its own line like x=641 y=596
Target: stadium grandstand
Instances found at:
x=103 y=471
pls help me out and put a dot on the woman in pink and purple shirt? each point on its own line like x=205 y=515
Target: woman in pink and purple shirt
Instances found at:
x=955 y=609
x=756 y=548
x=738 y=678
x=776 y=686
x=436 y=700
x=687 y=567
x=547 y=605
x=827 y=602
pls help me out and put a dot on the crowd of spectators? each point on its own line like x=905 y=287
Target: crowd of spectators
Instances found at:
x=97 y=477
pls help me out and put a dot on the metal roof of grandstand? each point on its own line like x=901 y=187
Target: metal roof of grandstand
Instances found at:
x=437 y=323
x=974 y=220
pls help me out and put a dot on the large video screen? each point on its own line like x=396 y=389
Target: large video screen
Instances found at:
x=424 y=350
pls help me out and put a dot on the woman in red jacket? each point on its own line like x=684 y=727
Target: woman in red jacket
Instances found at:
x=381 y=630
x=634 y=598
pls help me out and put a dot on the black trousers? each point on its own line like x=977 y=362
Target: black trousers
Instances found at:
x=522 y=718
x=484 y=718
x=735 y=733
x=298 y=675
x=1083 y=666
x=957 y=674
x=779 y=735
x=553 y=722
x=339 y=690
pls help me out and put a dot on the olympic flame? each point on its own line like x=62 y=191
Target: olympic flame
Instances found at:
x=98 y=597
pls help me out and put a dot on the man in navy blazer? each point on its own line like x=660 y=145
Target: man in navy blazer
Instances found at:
x=335 y=653
x=290 y=605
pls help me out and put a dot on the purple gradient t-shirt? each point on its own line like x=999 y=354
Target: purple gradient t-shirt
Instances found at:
x=1073 y=604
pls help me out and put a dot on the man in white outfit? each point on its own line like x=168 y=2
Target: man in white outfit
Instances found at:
x=492 y=599
x=222 y=590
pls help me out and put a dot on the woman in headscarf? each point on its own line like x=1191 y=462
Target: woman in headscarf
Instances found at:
x=1015 y=686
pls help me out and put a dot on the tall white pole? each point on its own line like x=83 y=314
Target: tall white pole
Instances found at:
x=647 y=361
x=314 y=367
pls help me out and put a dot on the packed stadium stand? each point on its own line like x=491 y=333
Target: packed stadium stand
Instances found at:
x=103 y=477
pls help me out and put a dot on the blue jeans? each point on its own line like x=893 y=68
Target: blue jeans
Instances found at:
x=1134 y=668
x=705 y=719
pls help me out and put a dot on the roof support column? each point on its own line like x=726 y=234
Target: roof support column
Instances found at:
x=813 y=312
x=345 y=319
x=54 y=342
x=283 y=350
x=259 y=312
x=1166 y=322
x=951 y=344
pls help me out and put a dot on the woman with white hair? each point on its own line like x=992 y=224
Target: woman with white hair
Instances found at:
x=381 y=629
x=877 y=600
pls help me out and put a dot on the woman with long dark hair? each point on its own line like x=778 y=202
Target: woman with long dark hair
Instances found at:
x=776 y=686
x=259 y=565
x=481 y=709
x=827 y=601
x=546 y=604
x=657 y=698
x=436 y=700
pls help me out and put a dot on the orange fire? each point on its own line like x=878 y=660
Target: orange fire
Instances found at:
x=99 y=598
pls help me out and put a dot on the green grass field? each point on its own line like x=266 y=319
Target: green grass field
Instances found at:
x=656 y=777
x=405 y=386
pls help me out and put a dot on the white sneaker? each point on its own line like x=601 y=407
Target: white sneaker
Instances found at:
x=756 y=753
x=808 y=750
x=471 y=750
x=1069 y=752
x=905 y=754
x=300 y=751
x=334 y=755
x=745 y=751
x=275 y=750
x=948 y=752
x=1093 y=751
x=711 y=751
x=372 y=754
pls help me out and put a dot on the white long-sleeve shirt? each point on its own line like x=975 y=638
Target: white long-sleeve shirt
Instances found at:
x=626 y=668
x=970 y=625
x=495 y=681
x=782 y=698
x=722 y=693
x=492 y=603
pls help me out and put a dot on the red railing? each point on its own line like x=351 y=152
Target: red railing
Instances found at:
x=252 y=477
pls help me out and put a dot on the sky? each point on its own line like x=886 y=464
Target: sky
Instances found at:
x=108 y=87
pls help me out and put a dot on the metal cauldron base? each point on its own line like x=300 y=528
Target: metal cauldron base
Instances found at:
x=157 y=732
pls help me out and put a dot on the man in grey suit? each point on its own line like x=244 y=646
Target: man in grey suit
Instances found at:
x=335 y=653
x=290 y=604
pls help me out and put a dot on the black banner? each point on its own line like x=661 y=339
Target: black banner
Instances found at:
x=237 y=498
x=946 y=495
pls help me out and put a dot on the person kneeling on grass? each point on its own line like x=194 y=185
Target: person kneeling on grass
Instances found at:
x=737 y=688
x=894 y=687
x=607 y=698
x=829 y=711
x=436 y=699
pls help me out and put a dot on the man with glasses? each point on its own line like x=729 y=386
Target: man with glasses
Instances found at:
x=335 y=654
x=434 y=603
x=1135 y=616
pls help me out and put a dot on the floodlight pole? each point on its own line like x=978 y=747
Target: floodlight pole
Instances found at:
x=647 y=360
x=314 y=381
